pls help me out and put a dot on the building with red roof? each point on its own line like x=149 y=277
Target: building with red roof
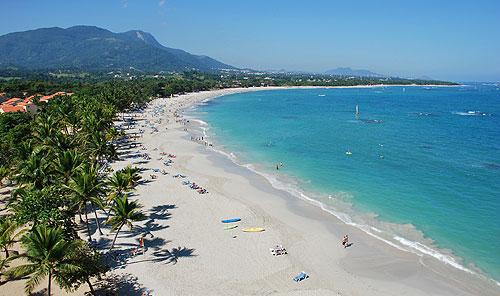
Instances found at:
x=26 y=104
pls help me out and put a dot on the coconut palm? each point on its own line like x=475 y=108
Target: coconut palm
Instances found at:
x=48 y=254
x=36 y=170
x=98 y=147
x=58 y=143
x=132 y=175
x=46 y=126
x=9 y=234
x=67 y=164
x=124 y=212
x=86 y=187
x=4 y=263
x=118 y=183
x=24 y=150
x=66 y=112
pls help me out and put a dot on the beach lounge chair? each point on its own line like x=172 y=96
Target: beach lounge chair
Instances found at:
x=300 y=277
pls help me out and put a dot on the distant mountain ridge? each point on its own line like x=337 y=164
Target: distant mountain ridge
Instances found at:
x=94 y=48
x=346 y=71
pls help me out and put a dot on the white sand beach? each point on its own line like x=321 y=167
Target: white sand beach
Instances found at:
x=213 y=261
x=192 y=254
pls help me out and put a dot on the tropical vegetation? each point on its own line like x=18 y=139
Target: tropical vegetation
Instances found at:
x=57 y=163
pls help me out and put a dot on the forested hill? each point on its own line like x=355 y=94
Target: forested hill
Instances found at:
x=96 y=49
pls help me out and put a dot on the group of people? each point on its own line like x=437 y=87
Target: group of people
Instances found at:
x=201 y=140
x=279 y=165
x=198 y=188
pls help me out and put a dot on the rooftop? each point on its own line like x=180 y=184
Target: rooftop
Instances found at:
x=22 y=105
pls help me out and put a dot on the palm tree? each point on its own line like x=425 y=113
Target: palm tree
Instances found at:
x=35 y=170
x=86 y=188
x=118 y=183
x=132 y=174
x=46 y=126
x=66 y=112
x=124 y=213
x=8 y=234
x=67 y=164
x=24 y=150
x=48 y=254
x=4 y=263
x=98 y=147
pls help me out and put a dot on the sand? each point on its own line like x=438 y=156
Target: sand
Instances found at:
x=214 y=261
x=192 y=254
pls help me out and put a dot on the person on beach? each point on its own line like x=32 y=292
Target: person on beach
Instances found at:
x=141 y=244
x=345 y=241
x=281 y=164
x=277 y=167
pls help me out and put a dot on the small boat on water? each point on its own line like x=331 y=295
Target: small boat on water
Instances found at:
x=357 y=111
x=348 y=152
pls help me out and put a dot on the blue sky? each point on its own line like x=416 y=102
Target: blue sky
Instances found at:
x=455 y=40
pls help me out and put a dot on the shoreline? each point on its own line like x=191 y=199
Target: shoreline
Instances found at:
x=423 y=245
x=369 y=267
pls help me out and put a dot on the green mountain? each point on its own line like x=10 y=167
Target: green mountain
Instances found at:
x=96 y=49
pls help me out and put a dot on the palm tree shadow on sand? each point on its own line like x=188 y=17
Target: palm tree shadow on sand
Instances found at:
x=164 y=255
x=173 y=255
x=119 y=284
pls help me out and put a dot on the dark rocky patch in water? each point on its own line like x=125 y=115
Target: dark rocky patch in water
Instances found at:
x=426 y=146
x=492 y=165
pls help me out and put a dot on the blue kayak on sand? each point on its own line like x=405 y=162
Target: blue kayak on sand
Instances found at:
x=231 y=220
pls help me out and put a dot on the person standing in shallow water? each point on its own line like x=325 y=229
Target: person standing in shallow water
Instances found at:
x=277 y=167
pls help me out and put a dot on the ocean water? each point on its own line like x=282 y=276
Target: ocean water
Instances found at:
x=424 y=173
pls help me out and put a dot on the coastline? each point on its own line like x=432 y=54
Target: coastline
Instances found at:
x=311 y=235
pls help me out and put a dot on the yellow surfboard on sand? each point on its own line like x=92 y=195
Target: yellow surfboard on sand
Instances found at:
x=253 y=229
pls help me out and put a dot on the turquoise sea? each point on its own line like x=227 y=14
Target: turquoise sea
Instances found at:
x=424 y=173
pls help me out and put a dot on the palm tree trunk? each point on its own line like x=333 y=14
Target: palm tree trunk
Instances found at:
x=97 y=220
x=90 y=287
x=50 y=281
x=116 y=235
x=6 y=252
x=88 y=226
